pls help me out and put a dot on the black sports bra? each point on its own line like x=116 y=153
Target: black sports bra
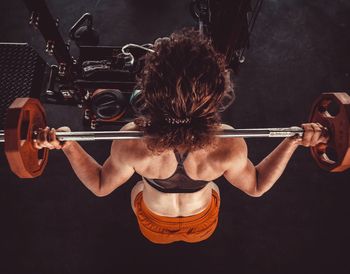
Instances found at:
x=179 y=182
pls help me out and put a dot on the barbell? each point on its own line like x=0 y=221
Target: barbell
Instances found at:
x=26 y=116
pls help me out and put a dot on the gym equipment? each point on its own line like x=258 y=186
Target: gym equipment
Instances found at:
x=84 y=35
x=108 y=104
x=26 y=115
x=332 y=110
x=22 y=74
x=136 y=102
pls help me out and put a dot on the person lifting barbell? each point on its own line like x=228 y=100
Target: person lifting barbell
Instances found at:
x=175 y=146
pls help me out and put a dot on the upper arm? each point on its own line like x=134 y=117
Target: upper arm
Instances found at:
x=241 y=172
x=117 y=169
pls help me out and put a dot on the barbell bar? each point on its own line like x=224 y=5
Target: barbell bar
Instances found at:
x=129 y=135
x=26 y=116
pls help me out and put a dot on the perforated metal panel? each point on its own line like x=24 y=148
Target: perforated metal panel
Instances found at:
x=21 y=74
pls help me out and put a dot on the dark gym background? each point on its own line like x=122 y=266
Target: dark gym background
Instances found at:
x=299 y=49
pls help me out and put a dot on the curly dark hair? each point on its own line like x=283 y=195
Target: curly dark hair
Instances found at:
x=181 y=84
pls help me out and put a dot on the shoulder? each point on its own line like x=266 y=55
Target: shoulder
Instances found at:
x=235 y=145
x=231 y=150
x=128 y=149
x=129 y=127
x=118 y=144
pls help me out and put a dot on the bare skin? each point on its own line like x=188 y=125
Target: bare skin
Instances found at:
x=228 y=158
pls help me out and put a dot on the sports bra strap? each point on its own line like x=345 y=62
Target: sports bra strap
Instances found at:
x=180 y=160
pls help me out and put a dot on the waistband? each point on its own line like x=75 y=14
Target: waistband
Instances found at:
x=188 y=220
x=164 y=230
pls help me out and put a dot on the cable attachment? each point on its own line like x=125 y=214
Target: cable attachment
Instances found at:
x=129 y=57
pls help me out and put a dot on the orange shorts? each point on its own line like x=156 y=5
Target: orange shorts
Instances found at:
x=165 y=230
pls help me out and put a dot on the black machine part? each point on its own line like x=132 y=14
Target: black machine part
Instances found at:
x=23 y=73
x=41 y=19
x=108 y=104
x=228 y=23
x=83 y=33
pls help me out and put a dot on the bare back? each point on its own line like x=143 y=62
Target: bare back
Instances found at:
x=205 y=164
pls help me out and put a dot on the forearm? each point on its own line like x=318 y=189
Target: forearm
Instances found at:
x=273 y=165
x=84 y=166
